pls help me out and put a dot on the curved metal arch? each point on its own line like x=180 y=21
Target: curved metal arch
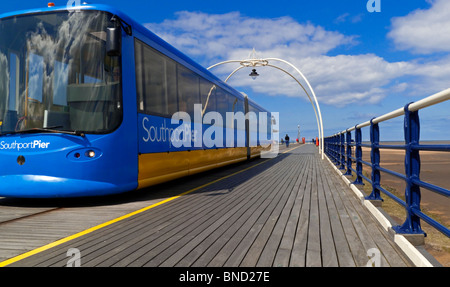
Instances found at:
x=292 y=76
x=265 y=62
x=315 y=110
x=314 y=96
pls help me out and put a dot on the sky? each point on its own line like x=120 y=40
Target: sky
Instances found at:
x=360 y=64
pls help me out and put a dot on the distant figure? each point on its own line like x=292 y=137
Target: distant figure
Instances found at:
x=286 y=138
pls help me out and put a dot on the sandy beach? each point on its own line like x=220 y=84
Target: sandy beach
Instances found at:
x=435 y=169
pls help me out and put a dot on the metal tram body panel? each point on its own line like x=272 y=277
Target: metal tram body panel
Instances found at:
x=76 y=119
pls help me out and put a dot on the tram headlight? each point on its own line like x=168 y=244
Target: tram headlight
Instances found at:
x=84 y=154
x=90 y=153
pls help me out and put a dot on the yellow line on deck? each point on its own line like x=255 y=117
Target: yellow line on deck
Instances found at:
x=92 y=229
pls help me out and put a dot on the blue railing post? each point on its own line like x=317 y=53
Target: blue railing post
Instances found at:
x=336 y=153
x=412 y=172
x=358 y=155
x=327 y=146
x=375 y=159
x=342 y=151
x=349 y=153
x=330 y=147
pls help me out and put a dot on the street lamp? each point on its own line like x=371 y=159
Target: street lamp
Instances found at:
x=254 y=74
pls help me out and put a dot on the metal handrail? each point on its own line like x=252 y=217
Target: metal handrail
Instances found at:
x=338 y=148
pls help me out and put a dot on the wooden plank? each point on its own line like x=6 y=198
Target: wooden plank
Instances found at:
x=253 y=254
x=283 y=255
x=177 y=234
x=273 y=244
x=223 y=217
x=298 y=256
x=85 y=240
x=313 y=248
x=344 y=255
x=329 y=254
x=356 y=247
x=236 y=249
x=221 y=249
x=290 y=211
x=166 y=244
x=189 y=252
x=144 y=229
x=379 y=238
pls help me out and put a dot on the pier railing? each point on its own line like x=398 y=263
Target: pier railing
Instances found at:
x=339 y=149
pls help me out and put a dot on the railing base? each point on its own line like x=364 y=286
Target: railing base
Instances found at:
x=356 y=182
x=415 y=239
x=375 y=202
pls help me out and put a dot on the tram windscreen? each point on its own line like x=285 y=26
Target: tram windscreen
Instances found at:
x=55 y=73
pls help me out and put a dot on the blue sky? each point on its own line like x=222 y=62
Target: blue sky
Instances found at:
x=360 y=64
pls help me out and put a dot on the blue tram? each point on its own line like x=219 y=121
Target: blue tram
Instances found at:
x=87 y=104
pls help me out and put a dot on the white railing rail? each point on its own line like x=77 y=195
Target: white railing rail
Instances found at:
x=426 y=102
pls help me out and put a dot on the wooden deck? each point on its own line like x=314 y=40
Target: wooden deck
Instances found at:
x=289 y=211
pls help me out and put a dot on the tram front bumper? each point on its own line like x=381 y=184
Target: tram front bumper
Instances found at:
x=39 y=186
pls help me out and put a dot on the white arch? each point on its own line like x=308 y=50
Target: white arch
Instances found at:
x=265 y=62
x=315 y=99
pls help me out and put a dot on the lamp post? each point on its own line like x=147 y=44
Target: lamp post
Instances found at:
x=254 y=62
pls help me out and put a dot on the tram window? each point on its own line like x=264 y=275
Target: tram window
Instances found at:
x=60 y=82
x=253 y=114
x=240 y=106
x=188 y=90
x=139 y=75
x=171 y=86
x=232 y=103
x=14 y=68
x=58 y=79
x=3 y=81
x=208 y=96
x=222 y=102
x=155 y=80
x=35 y=83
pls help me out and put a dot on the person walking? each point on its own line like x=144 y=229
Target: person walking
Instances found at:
x=286 y=138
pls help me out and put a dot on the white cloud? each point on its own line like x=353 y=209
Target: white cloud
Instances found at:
x=346 y=17
x=220 y=35
x=429 y=77
x=345 y=79
x=423 y=31
x=337 y=80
